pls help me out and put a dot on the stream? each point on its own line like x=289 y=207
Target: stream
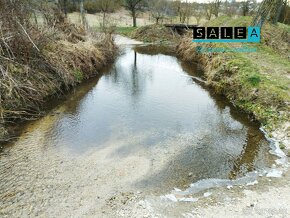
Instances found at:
x=146 y=126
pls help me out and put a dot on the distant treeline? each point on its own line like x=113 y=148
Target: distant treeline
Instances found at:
x=183 y=9
x=91 y=6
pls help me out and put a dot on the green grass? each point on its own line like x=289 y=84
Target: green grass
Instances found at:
x=228 y=21
x=79 y=76
x=125 y=31
x=255 y=82
x=284 y=27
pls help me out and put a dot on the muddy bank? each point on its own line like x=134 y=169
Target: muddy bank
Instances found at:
x=257 y=83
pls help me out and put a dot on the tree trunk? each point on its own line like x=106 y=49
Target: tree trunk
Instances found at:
x=134 y=19
x=157 y=20
x=83 y=17
x=65 y=7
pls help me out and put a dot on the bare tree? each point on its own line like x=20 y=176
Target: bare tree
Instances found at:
x=62 y=4
x=184 y=10
x=245 y=7
x=65 y=7
x=216 y=4
x=106 y=6
x=208 y=10
x=285 y=15
x=248 y=7
x=134 y=6
x=230 y=8
x=83 y=15
x=158 y=9
x=269 y=9
x=197 y=13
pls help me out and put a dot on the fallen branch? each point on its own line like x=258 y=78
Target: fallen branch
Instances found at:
x=28 y=36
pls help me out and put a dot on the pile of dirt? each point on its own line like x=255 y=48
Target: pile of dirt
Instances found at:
x=154 y=33
x=39 y=61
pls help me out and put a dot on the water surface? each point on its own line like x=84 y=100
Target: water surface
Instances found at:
x=148 y=106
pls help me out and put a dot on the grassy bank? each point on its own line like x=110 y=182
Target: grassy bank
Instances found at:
x=150 y=33
x=256 y=82
x=37 y=62
x=125 y=31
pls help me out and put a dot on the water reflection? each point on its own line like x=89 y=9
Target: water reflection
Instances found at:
x=150 y=103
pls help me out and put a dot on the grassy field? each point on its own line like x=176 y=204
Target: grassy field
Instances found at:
x=122 y=18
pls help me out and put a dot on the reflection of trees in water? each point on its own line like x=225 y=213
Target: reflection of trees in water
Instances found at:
x=132 y=81
x=114 y=76
x=75 y=99
x=135 y=78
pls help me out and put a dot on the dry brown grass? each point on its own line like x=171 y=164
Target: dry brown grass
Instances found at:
x=154 y=33
x=37 y=62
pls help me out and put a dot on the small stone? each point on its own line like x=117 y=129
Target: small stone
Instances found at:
x=190 y=174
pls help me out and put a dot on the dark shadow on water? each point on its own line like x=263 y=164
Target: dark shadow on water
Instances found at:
x=203 y=161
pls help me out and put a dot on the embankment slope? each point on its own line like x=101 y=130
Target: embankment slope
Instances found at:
x=41 y=61
x=256 y=82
